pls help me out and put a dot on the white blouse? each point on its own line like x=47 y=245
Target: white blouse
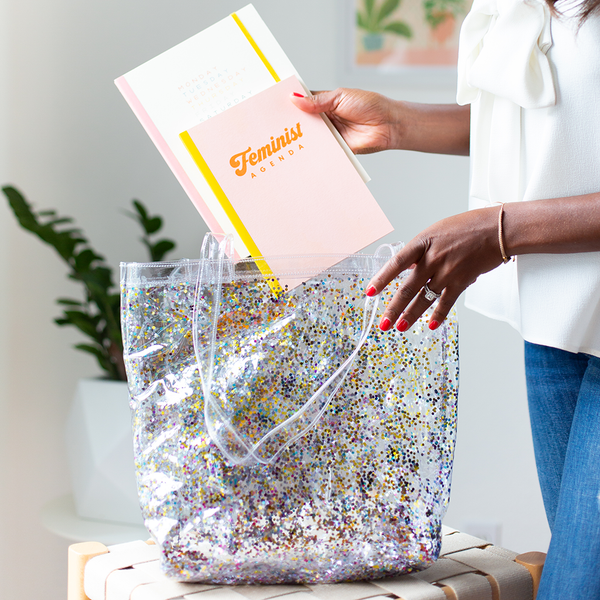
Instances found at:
x=533 y=82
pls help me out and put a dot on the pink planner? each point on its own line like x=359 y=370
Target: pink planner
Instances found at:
x=283 y=180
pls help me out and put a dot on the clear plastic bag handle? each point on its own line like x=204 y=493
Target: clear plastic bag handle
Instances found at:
x=215 y=252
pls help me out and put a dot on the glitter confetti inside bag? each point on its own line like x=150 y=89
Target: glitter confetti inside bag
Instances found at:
x=279 y=435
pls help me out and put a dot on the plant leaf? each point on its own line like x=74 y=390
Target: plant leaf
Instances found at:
x=140 y=208
x=60 y=221
x=98 y=280
x=152 y=225
x=85 y=258
x=399 y=28
x=97 y=351
x=84 y=322
x=361 y=21
x=21 y=208
x=369 y=5
x=69 y=302
x=103 y=358
x=387 y=8
x=114 y=300
x=161 y=248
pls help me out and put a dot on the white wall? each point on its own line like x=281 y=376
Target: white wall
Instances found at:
x=4 y=290
x=74 y=145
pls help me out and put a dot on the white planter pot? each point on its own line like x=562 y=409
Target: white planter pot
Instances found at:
x=100 y=452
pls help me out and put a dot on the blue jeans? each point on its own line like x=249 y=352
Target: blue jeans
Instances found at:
x=563 y=390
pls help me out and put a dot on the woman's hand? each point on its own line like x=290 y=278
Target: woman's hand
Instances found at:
x=448 y=256
x=367 y=121
x=452 y=253
x=370 y=122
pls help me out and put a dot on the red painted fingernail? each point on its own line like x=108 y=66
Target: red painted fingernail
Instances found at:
x=402 y=325
x=298 y=95
x=385 y=324
x=371 y=291
x=433 y=325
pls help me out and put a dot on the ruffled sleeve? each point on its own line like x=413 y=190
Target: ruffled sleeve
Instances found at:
x=502 y=50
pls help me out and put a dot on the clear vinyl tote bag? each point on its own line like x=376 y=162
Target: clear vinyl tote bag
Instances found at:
x=279 y=435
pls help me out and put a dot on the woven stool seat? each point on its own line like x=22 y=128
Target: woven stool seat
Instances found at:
x=468 y=569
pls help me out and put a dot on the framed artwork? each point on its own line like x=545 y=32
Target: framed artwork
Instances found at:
x=414 y=40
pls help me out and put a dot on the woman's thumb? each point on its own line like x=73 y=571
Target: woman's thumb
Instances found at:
x=319 y=103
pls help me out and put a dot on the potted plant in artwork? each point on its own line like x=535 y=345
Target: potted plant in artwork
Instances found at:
x=441 y=17
x=375 y=19
x=98 y=428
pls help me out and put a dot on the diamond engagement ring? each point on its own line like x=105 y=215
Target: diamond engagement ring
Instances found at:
x=430 y=294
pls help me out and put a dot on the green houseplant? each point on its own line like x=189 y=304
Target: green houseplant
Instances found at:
x=96 y=315
x=375 y=20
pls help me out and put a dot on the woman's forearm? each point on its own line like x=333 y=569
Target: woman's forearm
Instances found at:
x=435 y=128
x=371 y=122
x=559 y=225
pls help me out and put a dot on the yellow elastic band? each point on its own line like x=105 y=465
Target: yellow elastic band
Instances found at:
x=231 y=213
x=256 y=48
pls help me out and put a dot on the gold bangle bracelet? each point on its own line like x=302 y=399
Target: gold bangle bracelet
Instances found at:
x=505 y=258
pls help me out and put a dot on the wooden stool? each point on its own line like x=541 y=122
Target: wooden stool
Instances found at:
x=468 y=569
